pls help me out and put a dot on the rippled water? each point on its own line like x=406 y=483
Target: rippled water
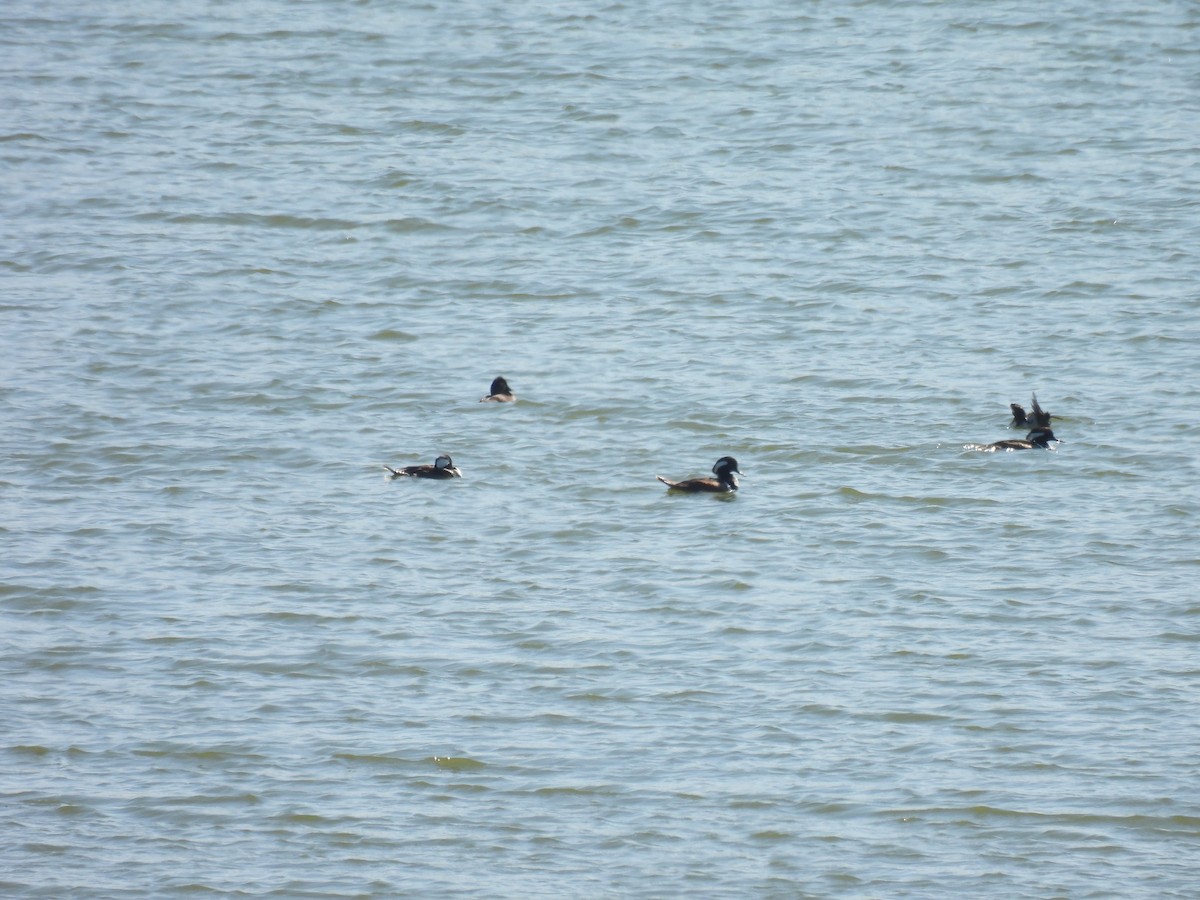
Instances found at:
x=252 y=252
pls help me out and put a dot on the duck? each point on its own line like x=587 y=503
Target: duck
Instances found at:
x=1038 y=438
x=726 y=470
x=443 y=467
x=499 y=392
x=1039 y=419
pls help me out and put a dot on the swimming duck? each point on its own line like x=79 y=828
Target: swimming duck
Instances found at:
x=1038 y=438
x=499 y=392
x=443 y=467
x=1039 y=419
x=726 y=470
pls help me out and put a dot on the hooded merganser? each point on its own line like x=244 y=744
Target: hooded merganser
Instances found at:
x=500 y=392
x=1039 y=419
x=443 y=467
x=726 y=470
x=1038 y=438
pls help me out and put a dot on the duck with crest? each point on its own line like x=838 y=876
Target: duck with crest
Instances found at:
x=443 y=467
x=1037 y=439
x=499 y=392
x=726 y=470
x=1039 y=419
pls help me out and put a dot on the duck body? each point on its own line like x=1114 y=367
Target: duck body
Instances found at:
x=1038 y=439
x=443 y=467
x=726 y=470
x=499 y=392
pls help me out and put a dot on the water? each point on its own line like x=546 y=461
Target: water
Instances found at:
x=251 y=252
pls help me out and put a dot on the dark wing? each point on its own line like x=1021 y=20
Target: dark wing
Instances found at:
x=1040 y=416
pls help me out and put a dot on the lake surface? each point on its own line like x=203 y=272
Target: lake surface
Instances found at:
x=251 y=252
